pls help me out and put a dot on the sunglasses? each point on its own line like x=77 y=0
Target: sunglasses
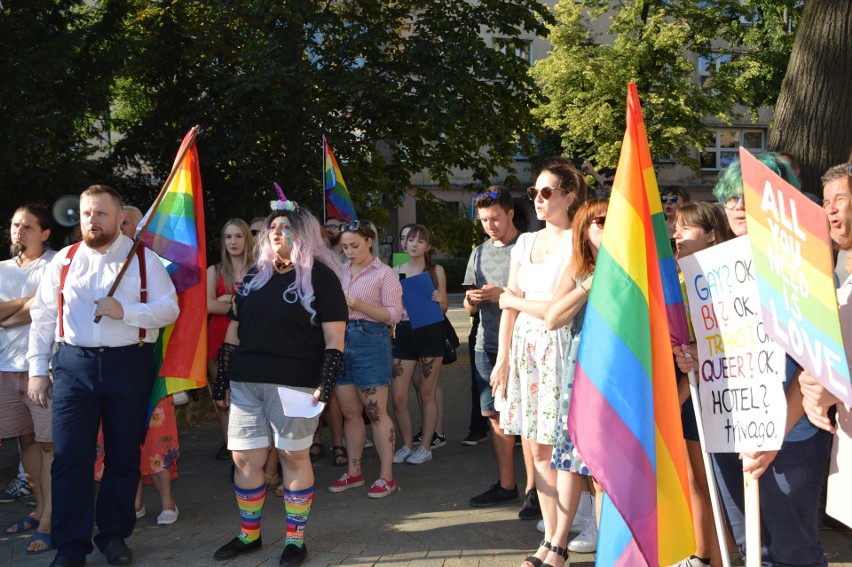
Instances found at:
x=599 y=221
x=492 y=195
x=352 y=225
x=546 y=192
x=669 y=198
x=254 y=232
x=734 y=202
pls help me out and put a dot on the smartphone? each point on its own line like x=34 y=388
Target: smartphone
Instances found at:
x=470 y=286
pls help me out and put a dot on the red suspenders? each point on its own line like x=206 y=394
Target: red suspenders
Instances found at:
x=63 y=274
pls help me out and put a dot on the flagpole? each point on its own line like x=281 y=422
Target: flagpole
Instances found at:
x=137 y=241
x=721 y=533
x=322 y=180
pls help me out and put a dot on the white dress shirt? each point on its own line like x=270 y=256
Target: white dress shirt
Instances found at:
x=89 y=278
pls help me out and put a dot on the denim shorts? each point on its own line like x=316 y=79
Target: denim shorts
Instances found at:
x=484 y=363
x=367 y=355
x=256 y=410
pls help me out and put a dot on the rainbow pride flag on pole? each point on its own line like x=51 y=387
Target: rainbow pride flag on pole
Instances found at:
x=337 y=202
x=625 y=415
x=176 y=233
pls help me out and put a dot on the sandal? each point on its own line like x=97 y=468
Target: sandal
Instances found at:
x=272 y=480
x=535 y=561
x=340 y=457
x=318 y=454
x=23 y=525
x=38 y=537
x=560 y=551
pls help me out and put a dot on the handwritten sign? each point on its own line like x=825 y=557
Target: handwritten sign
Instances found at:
x=741 y=371
x=795 y=276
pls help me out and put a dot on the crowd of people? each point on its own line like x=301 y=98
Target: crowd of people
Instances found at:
x=310 y=327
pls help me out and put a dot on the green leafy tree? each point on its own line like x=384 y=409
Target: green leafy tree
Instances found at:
x=655 y=43
x=399 y=87
x=55 y=76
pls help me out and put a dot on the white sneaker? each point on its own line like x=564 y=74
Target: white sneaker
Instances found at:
x=587 y=541
x=540 y=526
x=691 y=561
x=402 y=454
x=580 y=521
x=420 y=456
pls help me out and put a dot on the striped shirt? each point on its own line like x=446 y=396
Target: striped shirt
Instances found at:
x=376 y=284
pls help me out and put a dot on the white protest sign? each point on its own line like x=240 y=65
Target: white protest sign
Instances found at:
x=741 y=370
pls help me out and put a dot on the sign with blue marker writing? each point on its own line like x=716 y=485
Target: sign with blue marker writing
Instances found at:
x=741 y=369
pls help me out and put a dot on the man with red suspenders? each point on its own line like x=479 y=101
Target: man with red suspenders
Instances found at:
x=102 y=373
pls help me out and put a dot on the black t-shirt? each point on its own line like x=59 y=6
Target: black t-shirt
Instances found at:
x=278 y=342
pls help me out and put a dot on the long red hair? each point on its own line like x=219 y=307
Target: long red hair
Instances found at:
x=581 y=252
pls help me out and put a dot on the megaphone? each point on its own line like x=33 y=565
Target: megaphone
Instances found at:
x=66 y=210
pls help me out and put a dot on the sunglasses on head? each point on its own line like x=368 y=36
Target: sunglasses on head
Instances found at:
x=599 y=220
x=352 y=225
x=492 y=194
x=546 y=192
x=669 y=198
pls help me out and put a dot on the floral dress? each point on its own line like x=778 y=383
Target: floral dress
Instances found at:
x=160 y=451
x=565 y=456
x=535 y=355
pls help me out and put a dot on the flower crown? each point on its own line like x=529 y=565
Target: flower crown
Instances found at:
x=282 y=204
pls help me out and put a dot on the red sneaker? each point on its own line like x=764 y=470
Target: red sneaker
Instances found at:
x=382 y=488
x=346 y=482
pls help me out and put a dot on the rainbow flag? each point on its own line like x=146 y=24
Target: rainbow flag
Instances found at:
x=338 y=203
x=176 y=234
x=625 y=415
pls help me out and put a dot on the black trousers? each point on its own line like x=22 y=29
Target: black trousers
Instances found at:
x=93 y=386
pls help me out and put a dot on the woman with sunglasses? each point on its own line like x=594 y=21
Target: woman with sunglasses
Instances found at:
x=672 y=199
x=424 y=345
x=237 y=256
x=566 y=311
x=285 y=340
x=790 y=479
x=528 y=370
x=374 y=298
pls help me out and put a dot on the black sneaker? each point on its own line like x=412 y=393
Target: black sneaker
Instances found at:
x=530 y=510
x=223 y=454
x=418 y=439
x=493 y=496
x=474 y=439
x=438 y=440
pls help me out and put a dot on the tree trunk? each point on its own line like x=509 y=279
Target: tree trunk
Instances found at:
x=813 y=117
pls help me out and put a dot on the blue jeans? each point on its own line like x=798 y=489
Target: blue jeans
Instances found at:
x=367 y=358
x=789 y=501
x=484 y=363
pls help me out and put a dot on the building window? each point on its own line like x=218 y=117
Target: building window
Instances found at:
x=723 y=146
x=522 y=48
x=709 y=65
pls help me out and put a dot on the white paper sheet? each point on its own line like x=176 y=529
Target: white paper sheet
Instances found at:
x=299 y=404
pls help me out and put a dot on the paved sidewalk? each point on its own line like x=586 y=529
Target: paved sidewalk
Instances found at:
x=428 y=523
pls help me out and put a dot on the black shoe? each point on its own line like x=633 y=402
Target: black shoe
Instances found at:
x=117 y=552
x=474 y=438
x=223 y=454
x=494 y=495
x=235 y=547
x=530 y=510
x=59 y=561
x=293 y=555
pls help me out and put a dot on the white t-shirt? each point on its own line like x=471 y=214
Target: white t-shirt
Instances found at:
x=15 y=282
x=538 y=281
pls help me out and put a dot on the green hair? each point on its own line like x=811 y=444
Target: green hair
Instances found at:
x=730 y=184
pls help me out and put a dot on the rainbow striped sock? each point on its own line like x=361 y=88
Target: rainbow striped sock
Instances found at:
x=297 y=504
x=250 y=503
